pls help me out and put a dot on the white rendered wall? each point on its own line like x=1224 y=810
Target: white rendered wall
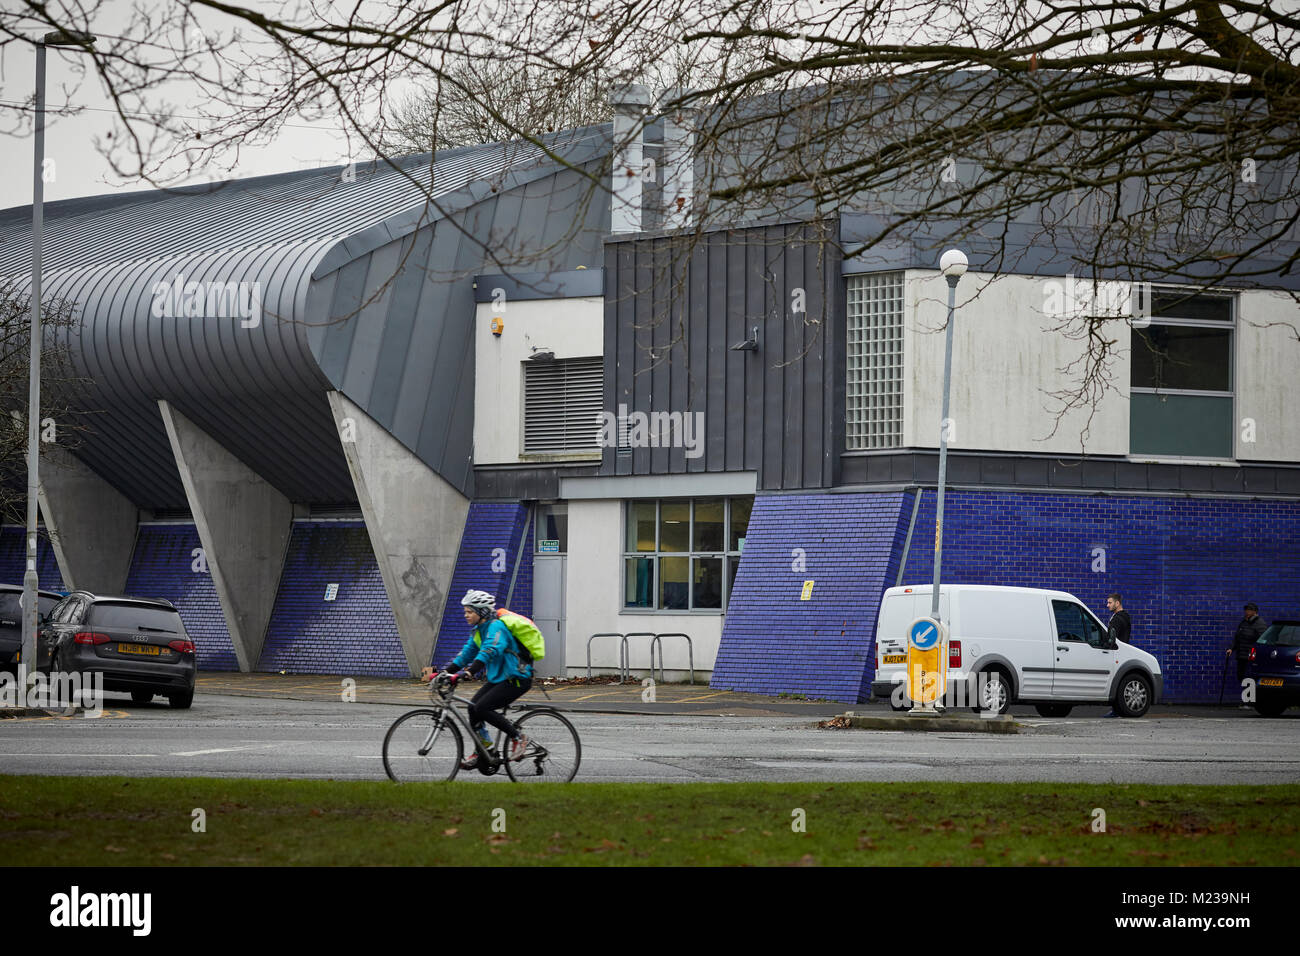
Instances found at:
x=571 y=328
x=1005 y=361
x=1266 y=381
x=594 y=599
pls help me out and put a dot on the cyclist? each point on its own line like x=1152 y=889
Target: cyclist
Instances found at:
x=491 y=651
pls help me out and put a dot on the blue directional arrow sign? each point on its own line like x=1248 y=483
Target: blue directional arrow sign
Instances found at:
x=923 y=634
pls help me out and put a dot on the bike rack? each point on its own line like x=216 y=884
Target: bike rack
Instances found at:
x=622 y=666
x=627 y=654
x=690 y=651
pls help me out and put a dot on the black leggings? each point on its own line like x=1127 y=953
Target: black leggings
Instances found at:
x=492 y=698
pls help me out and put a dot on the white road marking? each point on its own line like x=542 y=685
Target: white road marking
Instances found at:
x=220 y=750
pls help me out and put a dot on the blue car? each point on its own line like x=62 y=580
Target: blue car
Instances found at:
x=1274 y=665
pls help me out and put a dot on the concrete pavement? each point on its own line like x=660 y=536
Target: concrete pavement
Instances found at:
x=596 y=697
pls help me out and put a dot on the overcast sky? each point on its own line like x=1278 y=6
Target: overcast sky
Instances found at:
x=80 y=168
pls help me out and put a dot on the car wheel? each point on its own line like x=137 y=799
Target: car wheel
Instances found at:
x=141 y=696
x=181 y=701
x=1053 y=710
x=1133 y=696
x=1269 y=708
x=993 y=693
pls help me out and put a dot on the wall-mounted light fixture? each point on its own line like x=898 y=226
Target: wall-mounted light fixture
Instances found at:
x=750 y=344
x=541 y=355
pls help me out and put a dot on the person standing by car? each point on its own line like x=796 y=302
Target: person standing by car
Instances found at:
x=1248 y=632
x=1120 y=626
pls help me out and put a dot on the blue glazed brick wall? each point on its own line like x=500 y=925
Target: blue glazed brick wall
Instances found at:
x=489 y=526
x=773 y=642
x=1184 y=566
x=355 y=634
x=162 y=565
x=13 y=559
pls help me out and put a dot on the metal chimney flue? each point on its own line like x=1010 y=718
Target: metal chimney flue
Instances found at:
x=631 y=102
x=679 y=121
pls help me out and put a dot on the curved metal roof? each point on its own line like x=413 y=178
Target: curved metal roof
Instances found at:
x=361 y=278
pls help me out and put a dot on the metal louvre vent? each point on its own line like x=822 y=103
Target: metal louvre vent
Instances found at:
x=562 y=404
x=873 y=405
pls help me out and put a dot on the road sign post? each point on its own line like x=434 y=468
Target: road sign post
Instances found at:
x=927 y=677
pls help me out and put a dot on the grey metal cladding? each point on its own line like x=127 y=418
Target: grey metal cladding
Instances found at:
x=765 y=410
x=365 y=287
x=523 y=287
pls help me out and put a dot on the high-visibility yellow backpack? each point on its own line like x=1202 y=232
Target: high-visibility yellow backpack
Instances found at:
x=525 y=632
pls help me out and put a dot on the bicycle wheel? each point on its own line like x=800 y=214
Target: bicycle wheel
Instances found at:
x=422 y=746
x=553 y=752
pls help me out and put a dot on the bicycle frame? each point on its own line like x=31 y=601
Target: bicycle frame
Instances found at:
x=446 y=706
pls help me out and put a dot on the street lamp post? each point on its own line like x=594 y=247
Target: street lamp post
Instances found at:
x=953 y=266
x=30 y=581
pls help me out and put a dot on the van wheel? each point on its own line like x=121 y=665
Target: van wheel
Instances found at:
x=1133 y=697
x=993 y=693
x=1053 y=710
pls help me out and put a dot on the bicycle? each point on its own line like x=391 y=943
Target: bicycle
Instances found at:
x=429 y=743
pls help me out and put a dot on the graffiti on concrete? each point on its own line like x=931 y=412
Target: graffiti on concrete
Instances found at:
x=423 y=590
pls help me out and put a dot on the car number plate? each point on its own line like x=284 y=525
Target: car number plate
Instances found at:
x=138 y=649
x=895 y=658
x=1271 y=681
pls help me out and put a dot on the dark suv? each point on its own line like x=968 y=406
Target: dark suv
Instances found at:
x=11 y=621
x=138 y=644
x=1274 y=664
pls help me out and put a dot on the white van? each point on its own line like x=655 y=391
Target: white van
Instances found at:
x=1009 y=645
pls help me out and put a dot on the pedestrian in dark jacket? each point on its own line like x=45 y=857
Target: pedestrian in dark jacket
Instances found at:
x=1248 y=632
x=1119 y=627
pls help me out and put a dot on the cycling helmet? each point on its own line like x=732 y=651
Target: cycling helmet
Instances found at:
x=480 y=601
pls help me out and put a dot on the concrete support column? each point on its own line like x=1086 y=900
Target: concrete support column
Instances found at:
x=243 y=524
x=91 y=524
x=415 y=519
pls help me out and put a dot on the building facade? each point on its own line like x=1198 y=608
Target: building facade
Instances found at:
x=321 y=404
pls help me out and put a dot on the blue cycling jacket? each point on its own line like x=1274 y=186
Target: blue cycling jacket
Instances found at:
x=493 y=644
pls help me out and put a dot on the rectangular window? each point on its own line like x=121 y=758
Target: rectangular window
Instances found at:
x=1181 y=384
x=682 y=554
x=874 y=363
x=562 y=404
x=551 y=534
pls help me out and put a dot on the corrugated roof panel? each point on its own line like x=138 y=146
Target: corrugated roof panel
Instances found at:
x=259 y=390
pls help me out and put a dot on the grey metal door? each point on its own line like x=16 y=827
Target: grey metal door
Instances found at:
x=548 y=610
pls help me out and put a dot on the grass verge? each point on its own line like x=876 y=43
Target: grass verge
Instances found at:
x=97 y=821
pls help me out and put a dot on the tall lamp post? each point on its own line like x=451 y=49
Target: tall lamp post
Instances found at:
x=30 y=582
x=953 y=266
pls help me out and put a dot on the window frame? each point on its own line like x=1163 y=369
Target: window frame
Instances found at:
x=1233 y=300
x=656 y=555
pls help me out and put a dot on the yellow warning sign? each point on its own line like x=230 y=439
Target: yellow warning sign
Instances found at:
x=807 y=591
x=924 y=677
